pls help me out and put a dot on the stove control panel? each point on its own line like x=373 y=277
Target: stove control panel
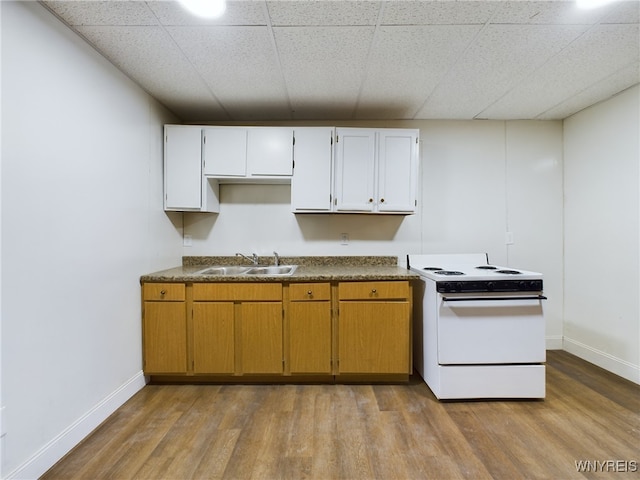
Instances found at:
x=489 y=286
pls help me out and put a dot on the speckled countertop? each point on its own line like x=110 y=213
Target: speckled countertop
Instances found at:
x=339 y=268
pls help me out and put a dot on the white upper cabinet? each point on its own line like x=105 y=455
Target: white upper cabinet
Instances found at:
x=376 y=170
x=185 y=187
x=246 y=153
x=338 y=170
x=397 y=170
x=311 y=181
x=270 y=151
x=355 y=169
x=224 y=151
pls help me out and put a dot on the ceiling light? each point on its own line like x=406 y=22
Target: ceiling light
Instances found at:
x=592 y=3
x=205 y=8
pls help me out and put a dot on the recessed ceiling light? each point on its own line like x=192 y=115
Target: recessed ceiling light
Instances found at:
x=205 y=8
x=592 y=3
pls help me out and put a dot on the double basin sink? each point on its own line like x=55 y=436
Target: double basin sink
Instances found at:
x=256 y=270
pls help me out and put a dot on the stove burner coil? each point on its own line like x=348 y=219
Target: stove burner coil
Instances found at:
x=448 y=272
x=486 y=267
x=432 y=269
x=509 y=272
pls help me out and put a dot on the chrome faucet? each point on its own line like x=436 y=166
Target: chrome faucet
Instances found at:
x=253 y=259
x=277 y=259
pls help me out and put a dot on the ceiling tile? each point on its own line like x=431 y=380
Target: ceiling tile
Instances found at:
x=250 y=74
x=627 y=11
x=351 y=59
x=501 y=56
x=549 y=13
x=590 y=59
x=241 y=12
x=597 y=92
x=420 y=12
x=323 y=68
x=103 y=12
x=406 y=64
x=160 y=68
x=323 y=13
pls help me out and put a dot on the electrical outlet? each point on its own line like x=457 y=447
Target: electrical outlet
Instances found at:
x=508 y=238
x=344 y=239
x=187 y=241
x=3 y=424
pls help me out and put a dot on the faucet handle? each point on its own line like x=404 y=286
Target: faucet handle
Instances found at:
x=277 y=258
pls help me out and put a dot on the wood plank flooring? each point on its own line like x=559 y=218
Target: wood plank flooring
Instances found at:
x=368 y=432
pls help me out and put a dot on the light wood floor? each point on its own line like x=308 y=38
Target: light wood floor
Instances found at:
x=367 y=432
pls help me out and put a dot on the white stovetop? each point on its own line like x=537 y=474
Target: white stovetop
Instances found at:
x=467 y=264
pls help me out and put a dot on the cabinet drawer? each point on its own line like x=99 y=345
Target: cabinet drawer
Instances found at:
x=373 y=290
x=237 y=291
x=169 y=292
x=309 y=291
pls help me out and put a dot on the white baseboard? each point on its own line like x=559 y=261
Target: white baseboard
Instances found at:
x=553 y=343
x=602 y=359
x=62 y=444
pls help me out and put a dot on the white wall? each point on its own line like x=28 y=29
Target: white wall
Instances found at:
x=82 y=219
x=479 y=179
x=602 y=241
x=534 y=210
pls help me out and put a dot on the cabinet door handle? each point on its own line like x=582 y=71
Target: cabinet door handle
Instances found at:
x=371 y=200
x=382 y=200
x=162 y=292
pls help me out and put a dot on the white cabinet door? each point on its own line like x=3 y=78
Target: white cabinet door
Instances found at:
x=311 y=181
x=247 y=152
x=185 y=188
x=270 y=151
x=376 y=170
x=355 y=169
x=224 y=151
x=397 y=170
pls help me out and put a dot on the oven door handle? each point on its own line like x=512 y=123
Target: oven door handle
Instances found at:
x=487 y=299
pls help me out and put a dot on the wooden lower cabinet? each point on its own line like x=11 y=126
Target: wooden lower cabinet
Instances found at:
x=374 y=333
x=310 y=329
x=373 y=337
x=260 y=338
x=237 y=338
x=237 y=329
x=231 y=330
x=164 y=327
x=213 y=338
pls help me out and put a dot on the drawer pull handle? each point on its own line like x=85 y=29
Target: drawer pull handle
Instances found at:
x=309 y=292
x=373 y=290
x=162 y=292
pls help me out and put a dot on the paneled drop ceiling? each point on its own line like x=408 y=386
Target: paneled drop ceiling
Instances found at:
x=359 y=60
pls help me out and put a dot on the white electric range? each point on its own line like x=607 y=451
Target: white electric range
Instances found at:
x=480 y=332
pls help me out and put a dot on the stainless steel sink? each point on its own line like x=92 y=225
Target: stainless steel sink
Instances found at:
x=228 y=270
x=273 y=270
x=244 y=270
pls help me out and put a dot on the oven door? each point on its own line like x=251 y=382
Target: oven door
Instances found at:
x=490 y=330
